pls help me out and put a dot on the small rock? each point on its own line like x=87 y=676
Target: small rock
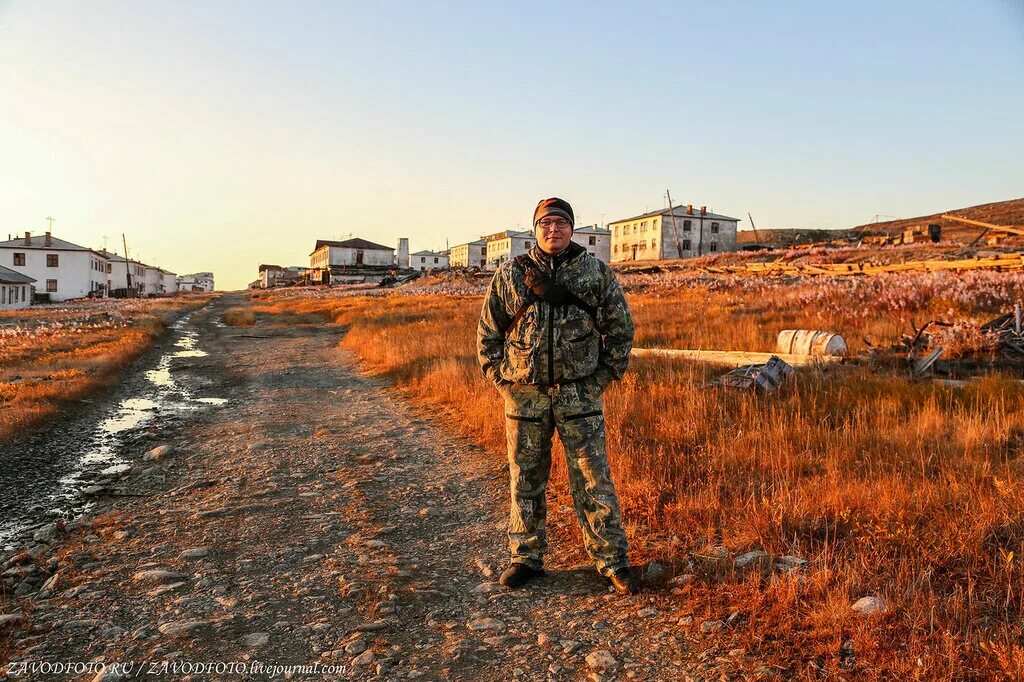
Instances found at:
x=868 y=605
x=157 y=575
x=158 y=453
x=544 y=640
x=181 y=628
x=571 y=646
x=486 y=624
x=753 y=560
x=654 y=573
x=648 y=612
x=194 y=553
x=255 y=639
x=372 y=627
x=365 y=658
x=50 y=533
x=712 y=626
x=601 y=659
x=355 y=647
x=484 y=588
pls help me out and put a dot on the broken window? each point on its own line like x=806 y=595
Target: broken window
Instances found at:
x=51 y=260
x=592 y=240
x=686 y=244
x=714 y=228
x=19 y=259
x=51 y=286
x=687 y=226
x=713 y=247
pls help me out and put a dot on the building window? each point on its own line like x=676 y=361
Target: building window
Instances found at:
x=687 y=225
x=423 y=259
x=713 y=246
x=615 y=249
x=528 y=244
x=714 y=228
x=51 y=260
x=51 y=286
x=19 y=259
x=686 y=245
x=616 y=231
x=592 y=240
x=654 y=243
x=435 y=260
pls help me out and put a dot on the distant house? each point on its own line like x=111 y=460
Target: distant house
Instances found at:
x=121 y=270
x=503 y=246
x=428 y=260
x=469 y=255
x=16 y=289
x=196 y=282
x=350 y=252
x=276 y=276
x=170 y=281
x=61 y=269
x=596 y=240
x=654 y=235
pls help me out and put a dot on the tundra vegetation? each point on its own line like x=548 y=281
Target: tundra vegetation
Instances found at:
x=56 y=355
x=908 y=491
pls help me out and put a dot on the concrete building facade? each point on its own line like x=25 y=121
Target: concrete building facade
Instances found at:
x=469 y=255
x=503 y=246
x=596 y=240
x=653 y=236
x=62 y=270
x=196 y=282
x=428 y=260
x=16 y=289
x=352 y=252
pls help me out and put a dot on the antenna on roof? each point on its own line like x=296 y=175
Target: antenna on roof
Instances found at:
x=50 y=220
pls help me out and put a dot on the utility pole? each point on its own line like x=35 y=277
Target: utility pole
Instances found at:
x=127 y=266
x=753 y=226
x=675 y=232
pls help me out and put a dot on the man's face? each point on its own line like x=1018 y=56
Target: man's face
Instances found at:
x=553 y=233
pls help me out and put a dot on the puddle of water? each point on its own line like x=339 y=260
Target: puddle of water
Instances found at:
x=160 y=397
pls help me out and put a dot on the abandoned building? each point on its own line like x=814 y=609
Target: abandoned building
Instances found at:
x=16 y=289
x=349 y=262
x=503 y=246
x=684 y=232
x=428 y=260
x=470 y=255
x=596 y=240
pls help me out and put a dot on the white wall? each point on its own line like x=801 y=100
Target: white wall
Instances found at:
x=15 y=296
x=501 y=250
x=347 y=256
x=468 y=255
x=170 y=282
x=428 y=261
x=600 y=249
x=76 y=272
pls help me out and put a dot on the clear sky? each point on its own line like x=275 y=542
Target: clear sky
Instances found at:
x=219 y=135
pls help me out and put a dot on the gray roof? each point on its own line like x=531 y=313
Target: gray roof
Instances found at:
x=428 y=253
x=39 y=242
x=679 y=212
x=355 y=243
x=8 y=276
x=592 y=229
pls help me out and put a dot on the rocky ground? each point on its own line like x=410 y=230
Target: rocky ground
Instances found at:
x=316 y=519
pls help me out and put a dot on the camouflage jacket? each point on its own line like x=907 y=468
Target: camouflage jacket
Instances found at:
x=554 y=344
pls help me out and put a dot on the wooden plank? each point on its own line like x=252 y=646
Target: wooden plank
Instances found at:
x=735 y=358
x=978 y=223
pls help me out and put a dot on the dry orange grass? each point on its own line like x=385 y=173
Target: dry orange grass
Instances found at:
x=909 y=491
x=53 y=356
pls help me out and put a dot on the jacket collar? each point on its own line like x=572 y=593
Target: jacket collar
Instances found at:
x=561 y=258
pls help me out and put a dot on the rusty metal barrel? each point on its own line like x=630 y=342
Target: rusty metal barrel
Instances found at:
x=811 y=342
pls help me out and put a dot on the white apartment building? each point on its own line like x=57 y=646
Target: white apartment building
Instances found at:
x=15 y=289
x=503 y=246
x=196 y=282
x=170 y=281
x=596 y=240
x=654 y=235
x=428 y=260
x=120 y=270
x=469 y=255
x=350 y=252
x=62 y=270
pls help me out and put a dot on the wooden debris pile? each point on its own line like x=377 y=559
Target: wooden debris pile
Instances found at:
x=767 y=377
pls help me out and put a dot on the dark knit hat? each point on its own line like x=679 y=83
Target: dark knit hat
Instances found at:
x=554 y=206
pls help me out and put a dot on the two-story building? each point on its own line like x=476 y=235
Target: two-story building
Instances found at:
x=125 y=277
x=682 y=232
x=428 y=260
x=503 y=246
x=468 y=255
x=596 y=240
x=16 y=289
x=62 y=270
x=350 y=252
x=196 y=283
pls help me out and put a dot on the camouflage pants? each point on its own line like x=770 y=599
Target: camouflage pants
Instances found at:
x=533 y=414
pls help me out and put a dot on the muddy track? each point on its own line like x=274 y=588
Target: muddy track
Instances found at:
x=317 y=519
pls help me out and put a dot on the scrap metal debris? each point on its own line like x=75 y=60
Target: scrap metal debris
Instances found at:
x=762 y=378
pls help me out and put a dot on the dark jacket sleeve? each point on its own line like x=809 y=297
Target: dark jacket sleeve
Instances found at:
x=490 y=332
x=615 y=323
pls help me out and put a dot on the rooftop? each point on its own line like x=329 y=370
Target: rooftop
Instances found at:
x=39 y=242
x=11 y=277
x=680 y=212
x=355 y=243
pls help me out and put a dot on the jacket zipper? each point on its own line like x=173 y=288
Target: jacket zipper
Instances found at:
x=551 y=330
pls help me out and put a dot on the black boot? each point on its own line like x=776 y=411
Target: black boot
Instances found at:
x=518 y=574
x=625 y=581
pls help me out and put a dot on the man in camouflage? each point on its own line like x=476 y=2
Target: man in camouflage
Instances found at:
x=551 y=356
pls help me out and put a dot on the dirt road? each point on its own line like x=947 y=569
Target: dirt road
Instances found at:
x=317 y=519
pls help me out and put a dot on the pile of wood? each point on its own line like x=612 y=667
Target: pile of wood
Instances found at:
x=1008 y=329
x=999 y=262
